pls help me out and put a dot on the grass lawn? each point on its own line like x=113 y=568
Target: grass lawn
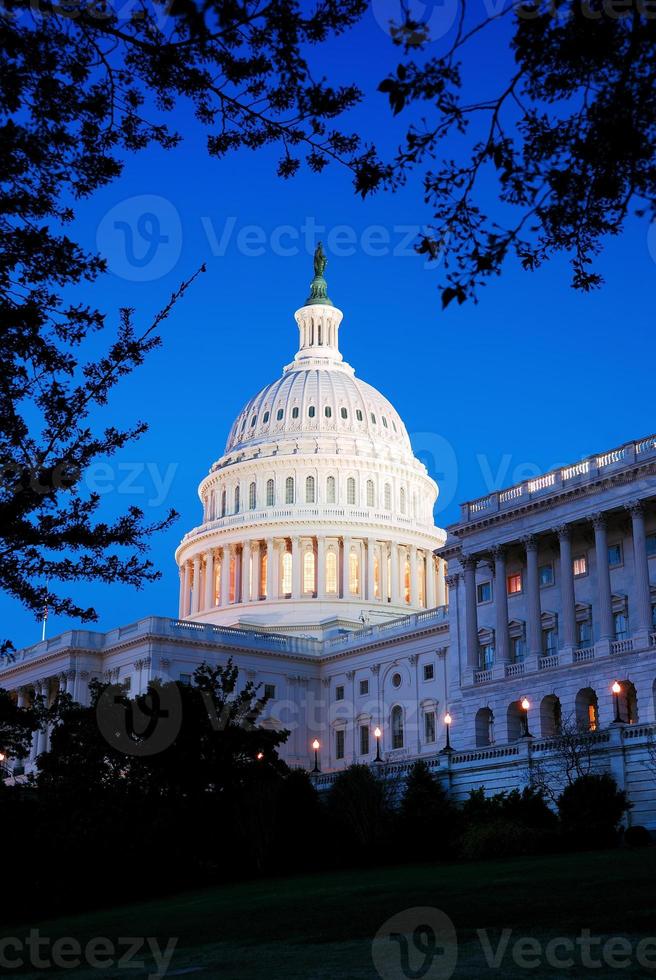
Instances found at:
x=321 y=927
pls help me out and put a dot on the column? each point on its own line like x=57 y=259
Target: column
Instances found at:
x=394 y=573
x=42 y=734
x=414 y=576
x=21 y=700
x=271 y=560
x=606 y=630
x=641 y=562
x=209 y=580
x=238 y=553
x=502 y=650
x=195 y=587
x=186 y=589
x=181 y=610
x=534 y=631
x=296 y=568
x=225 y=575
x=321 y=568
x=430 y=580
x=346 y=550
x=469 y=563
x=371 y=554
x=384 y=584
x=567 y=598
x=246 y=572
x=255 y=570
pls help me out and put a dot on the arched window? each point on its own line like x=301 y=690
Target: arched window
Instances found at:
x=370 y=493
x=550 y=716
x=265 y=418
x=309 y=490
x=421 y=584
x=253 y=421
x=295 y=412
x=308 y=573
x=289 y=490
x=484 y=727
x=397 y=727
x=628 y=703
x=270 y=493
x=331 y=572
x=388 y=497
x=224 y=503
x=252 y=496
x=328 y=411
x=237 y=499
x=354 y=572
x=358 y=415
x=286 y=573
x=311 y=411
x=279 y=414
x=515 y=717
x=402 y=500
x=350 y=490
x=586 y=710
x=330 y=490
x=344 y=413
x=232 y=586
x=407 y=588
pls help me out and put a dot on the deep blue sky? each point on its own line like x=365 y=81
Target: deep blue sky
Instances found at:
x=533 y=376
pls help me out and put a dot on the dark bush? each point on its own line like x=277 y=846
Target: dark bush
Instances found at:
x=506 y=838
x=360 y=815
x=591 y=810
x=426 y=821
x=637 y=836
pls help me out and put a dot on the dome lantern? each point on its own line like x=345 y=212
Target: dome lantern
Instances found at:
x=318 y=321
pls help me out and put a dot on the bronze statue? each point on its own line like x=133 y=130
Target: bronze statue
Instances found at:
x=320 y=260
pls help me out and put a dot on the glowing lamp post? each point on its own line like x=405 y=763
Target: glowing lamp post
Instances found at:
x=316 y=746
x=260 y=756
x=377 y=734
x=526 y=706
x=447 y=725
x=617 y=690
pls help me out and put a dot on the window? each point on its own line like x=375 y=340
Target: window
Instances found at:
x=270 y=493
x=484 y=592
x=328 y=411
x=223 y=503
x=126 y=683
x=549 y=642
x=330 y=490
x=584 y=634
x=312 y=411
x=370 y=493
x=339 y=743
x=344 y=413
x=354 y=573
x=309 y=490
x=514 y=582
x=350 y=490
x=364 y=687
x=396 y=680
x=269 y=691
x=388 y=497
x=364 y=739
x=339 y=692
x=429 y=672
x=265 y=418
x=376 y=577
x=651 y=545
x=289 y=490
x=429 y=726
x=621 y=621
x=397 y=727
x=287 y=573
x=308 y=572
x=253 y=421
x=546 y=575
x=252 y=496
x=295 y=412
x=402 y=500
x=185 y=679
x=517 y=649
x=373 y=419
x=385 y=422
x=331 y=572
x=580 y=565
x=358 y=415
x=486 y=656
x=236 y=500
x=614 y=555
x=279 y=414
x=263 y=575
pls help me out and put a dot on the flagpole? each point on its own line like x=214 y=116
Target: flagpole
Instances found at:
x=45 y=616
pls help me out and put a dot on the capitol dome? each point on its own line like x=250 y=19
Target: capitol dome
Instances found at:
x=317 y=517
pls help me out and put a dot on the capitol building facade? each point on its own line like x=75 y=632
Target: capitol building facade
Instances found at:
x=317 y=567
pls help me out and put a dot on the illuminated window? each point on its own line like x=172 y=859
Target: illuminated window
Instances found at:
x=422 y=584
x=592 y=717
x=286 y=573
x=270 y=493
x=364 y=739
x=309 y=490
x=397 y=727
x=354 y=573
x=514 y=583
x=339 y=743
x=236 y=500
x=308 y=572
x=406 y=580
x=331 y=572
x=263 y=575
x=217 y=583
x=232 y=592
x=376 y=577
x=388 y=497
x=370 y=493
x=252 y=496
x=330 y=490
x=402 y=500
x=289 y=490
x=580 y=565
x=350 y=490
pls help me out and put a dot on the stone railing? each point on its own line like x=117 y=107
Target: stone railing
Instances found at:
x=584 y=471
x=404 y=625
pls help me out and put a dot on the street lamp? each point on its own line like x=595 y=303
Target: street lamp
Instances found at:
x=259 y=756
x=377 y=734
x=447 y=724
x=617 y=690
x=526 y=705
x=3 y=768
x=316 y=746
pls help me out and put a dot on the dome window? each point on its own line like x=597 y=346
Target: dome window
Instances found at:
x=373 y=419
x=223 y=504
x=344 y=412
x=253 y=421
x=237 y=499
x=312 y=411
x=309 y=490
x=279 y=414
x=328 y=411
x=265 y=418
x=330 y=490
x=295 y=412
x=358 y=415
x=350 y=490
x=388 y=497
x=370 y=493
x=289 y=490
x=402 y=500
x=384 y=421
x=394 y=425
x=270 y=493
x=252 y=496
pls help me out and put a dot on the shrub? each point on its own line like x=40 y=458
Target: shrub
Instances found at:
x=506 y=838
x=637 y=836
x=426 y=819
x=591 y=809
x=360 y=814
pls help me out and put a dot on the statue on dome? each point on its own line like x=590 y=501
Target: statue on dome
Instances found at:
x=320 y=260
x=319 y=286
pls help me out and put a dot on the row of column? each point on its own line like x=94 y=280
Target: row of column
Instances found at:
x=252 y=570
x=72 y=682
x=567 y=593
